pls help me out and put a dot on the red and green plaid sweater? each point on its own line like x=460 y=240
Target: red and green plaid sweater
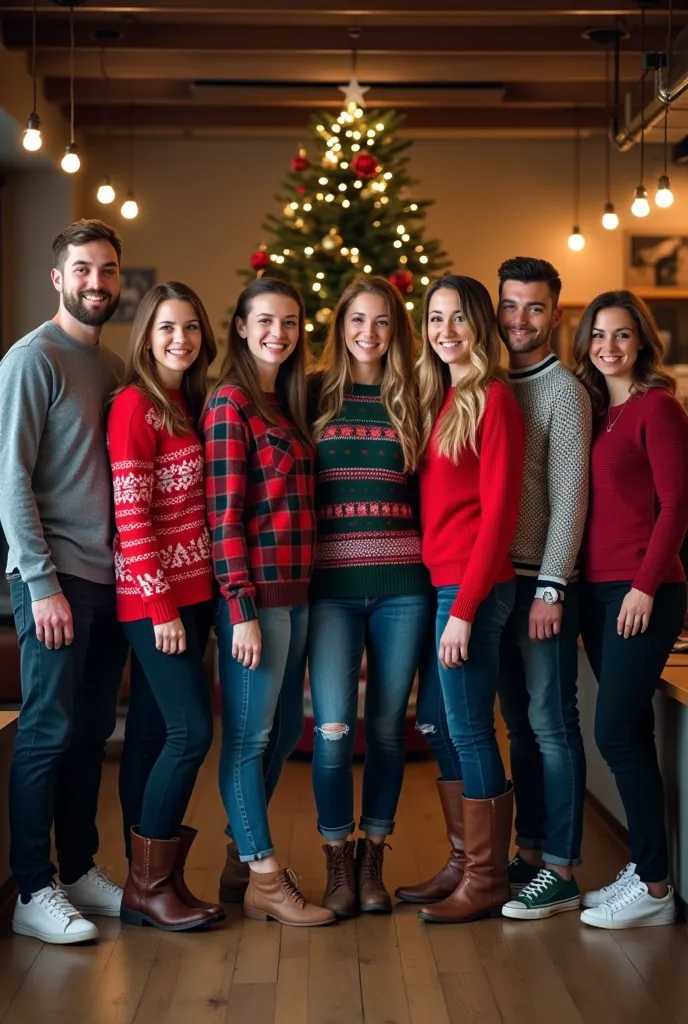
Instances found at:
x=260 y=501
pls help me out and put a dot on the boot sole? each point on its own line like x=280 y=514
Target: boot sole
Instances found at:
x=262 y=915
x=143 y=921
x=377 y=908
x=621 y=925
x=58 y=940
x=492 y=912
x=539 y=913
x=232 y=895
x=415 y=899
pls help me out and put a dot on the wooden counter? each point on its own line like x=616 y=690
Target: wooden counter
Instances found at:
x=675 y=677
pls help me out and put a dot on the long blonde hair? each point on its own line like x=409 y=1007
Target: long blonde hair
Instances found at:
x=399 y=393
x=459 y=427
x=647 y=369
x=140 y=368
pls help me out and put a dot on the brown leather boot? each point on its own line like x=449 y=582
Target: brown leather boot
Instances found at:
x=372 y=895
x=213 y=911
x=340 y=892
x=448 y=878
x=149 y=894
x=275 y=894
x=234 y=877
x=484 y=888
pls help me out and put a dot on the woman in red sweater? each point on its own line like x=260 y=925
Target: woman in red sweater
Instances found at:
x=470 y=486
x=634 y=599
x=164 y=588
x=260 y=498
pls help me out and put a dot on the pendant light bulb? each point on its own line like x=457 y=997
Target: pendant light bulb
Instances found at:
x=106 y=193
x=31 y=139
x=576 y=240
x=130 y=208
x=70 y=161
x=610 y=218
x=664 y=197
x=640 y=207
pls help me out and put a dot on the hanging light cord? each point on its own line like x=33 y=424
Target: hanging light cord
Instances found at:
x=576 y=180
x=71 y=75
x=608 y=144
x=33 y=53
x=131 y=145
x=642 y=97
x=670 y=28
x=106 y=93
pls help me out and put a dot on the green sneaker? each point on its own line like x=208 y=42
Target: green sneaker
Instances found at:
x=521 y=873
x=546 y=895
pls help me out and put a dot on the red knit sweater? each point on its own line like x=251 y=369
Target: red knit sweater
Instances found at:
x=469 y=509
x=638 y=508
x=162 y=545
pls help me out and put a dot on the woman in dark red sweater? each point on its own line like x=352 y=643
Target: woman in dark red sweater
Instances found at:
x=634 y=599
x=470 y=486
x=260 y=498
x=164 y=588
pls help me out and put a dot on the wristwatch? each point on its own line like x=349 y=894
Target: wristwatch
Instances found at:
x=550 y=595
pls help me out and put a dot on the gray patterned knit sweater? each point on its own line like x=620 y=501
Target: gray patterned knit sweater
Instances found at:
x=554 y=500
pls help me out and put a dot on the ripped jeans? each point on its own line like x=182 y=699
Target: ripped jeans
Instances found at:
x=393 y=630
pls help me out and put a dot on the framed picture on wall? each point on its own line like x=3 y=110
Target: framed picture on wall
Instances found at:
x=657 y=265
x=135 y=282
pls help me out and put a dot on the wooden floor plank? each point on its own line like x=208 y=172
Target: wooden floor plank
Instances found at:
x=257 y=959
x=382 y=979
x=291 y=1005
x=469 y=997
x=334 y=988
x=251 y=1004
x=424 y=992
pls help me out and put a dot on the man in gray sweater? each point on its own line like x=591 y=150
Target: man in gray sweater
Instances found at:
x=539 y=656
x=56 y=512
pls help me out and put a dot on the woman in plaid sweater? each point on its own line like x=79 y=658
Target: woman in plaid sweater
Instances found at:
x=259 y=488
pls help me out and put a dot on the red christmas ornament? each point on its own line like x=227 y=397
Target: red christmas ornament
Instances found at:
x=299 y=163
x=301 y=189
x=364 y=166
x=260 y=260
x=403 y=280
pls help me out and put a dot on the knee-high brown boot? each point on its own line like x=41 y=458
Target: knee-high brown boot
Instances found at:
x=149 y=894
x=213 y=911
x=448 y=878
x=484 y=888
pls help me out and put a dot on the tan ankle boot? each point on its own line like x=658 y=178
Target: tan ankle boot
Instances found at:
x=212 y=910
x=234 y=877
x=340 y=892
x=447 y=879
x=372 y=895
x=275 y=894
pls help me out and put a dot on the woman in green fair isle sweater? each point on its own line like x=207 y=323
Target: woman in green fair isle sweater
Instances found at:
x=369 y=585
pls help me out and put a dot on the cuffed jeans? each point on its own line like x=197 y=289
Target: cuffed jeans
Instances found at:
x=262 y=721
x=392 y=629
x=628 y=673
x=538 y=699
x=69 y=704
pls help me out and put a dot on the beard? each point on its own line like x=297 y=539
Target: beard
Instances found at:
x=73 y=303
x=529 y=340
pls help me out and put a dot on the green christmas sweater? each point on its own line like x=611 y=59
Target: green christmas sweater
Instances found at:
x=366 y=505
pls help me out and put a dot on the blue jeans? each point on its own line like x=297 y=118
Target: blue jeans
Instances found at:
x=465 y=714
x=262 y=721
x=69 y=705
x=392 y=629
x=538 y=698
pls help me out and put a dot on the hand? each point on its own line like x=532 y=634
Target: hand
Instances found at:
x=635 y=613
x=454 y=642
x=246 y=643
x=170 y=637
x=53 y=619
x=544 y=620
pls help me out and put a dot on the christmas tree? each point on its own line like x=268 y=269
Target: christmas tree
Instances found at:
x=348 y=210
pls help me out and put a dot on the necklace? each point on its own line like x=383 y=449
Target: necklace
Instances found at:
x=609 y=416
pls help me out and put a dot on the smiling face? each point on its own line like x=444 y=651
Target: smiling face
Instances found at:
x=367 y=333
x=527 y=316
x=614 y=343
x=448 y=332
x=174 y=339
x=88 y=282
x=271 y=331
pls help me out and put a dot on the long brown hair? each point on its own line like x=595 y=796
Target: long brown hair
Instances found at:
x=647 y=370
x=399 y=393
x=239 y=367
x=459 y=427
x=140 y=368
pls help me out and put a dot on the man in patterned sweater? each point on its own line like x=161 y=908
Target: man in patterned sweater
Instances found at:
x=539 y=646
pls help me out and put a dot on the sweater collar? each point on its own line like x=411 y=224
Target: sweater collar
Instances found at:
x=544 y=366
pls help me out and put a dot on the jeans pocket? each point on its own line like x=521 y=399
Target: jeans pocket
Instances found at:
x=505 y=596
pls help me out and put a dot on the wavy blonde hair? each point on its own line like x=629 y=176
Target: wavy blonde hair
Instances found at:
x=647 y=369
x=459 y=427
x=399 y=393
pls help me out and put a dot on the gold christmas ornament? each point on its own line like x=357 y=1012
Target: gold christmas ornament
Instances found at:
x=323 y=315
x=331 y=241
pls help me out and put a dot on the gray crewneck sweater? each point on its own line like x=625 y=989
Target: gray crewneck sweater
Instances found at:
x=55 y=481
x=554 y=499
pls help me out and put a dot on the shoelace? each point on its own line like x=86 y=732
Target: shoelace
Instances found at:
x=372 y=863
x=338 y=861
x=100 y=879
x=540 y=883
x=56 y=903
x=289 y=882
x=620 y=882
x=632 y=891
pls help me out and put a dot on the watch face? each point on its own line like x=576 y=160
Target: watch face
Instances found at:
x=549 y=595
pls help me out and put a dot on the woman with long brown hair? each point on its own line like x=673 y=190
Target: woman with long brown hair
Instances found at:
x=470 y=487
x=634 y=593
x=369 y=588
x=164 y=588
x=259 y=490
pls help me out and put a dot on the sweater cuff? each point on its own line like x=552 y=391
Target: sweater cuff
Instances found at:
x=44 y=586
x=162 y=609
x=242 y=609
x=464 y=606
x=644 y=584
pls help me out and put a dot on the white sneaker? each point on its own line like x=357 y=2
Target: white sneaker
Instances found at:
x=632 y=907
x=608 y=892
x=50 y=917
x=94 y=893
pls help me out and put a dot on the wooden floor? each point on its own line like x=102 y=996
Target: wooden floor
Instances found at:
x=381 y=970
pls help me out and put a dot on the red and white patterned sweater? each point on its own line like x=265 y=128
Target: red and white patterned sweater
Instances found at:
x=162 y=546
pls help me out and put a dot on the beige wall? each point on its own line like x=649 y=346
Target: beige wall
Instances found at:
x=203 y=202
